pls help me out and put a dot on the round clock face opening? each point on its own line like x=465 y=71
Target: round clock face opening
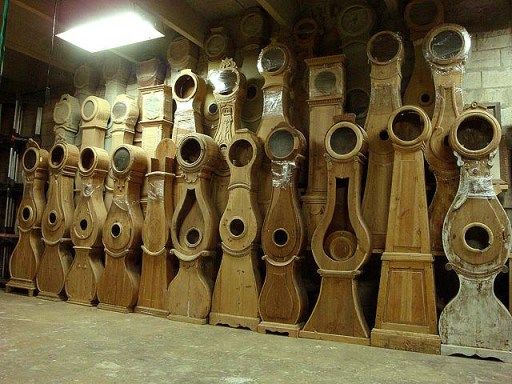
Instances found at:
x=29 y=159
x=119 y=110
x=384 y=47
x=121 y=159
x=184 y=86
x=407 y=125
x=358 y=102
x=225 y=82
x=281 y=144
x=356 y=20
x=475 y=133
x=240 y=153
x=477 y=238
x=87 y=158
x=88 y=109
x=190 y=151
x=325 y=82
x=273 y=59
x=343 y=140
x=57 y=155
x=447 y=44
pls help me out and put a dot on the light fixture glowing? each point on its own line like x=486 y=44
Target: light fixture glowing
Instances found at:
x=110 y=32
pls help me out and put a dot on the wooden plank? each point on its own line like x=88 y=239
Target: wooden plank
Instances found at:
x=179 y=16
x=282 y=11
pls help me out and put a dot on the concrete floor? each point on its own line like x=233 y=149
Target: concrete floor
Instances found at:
x=55 y=342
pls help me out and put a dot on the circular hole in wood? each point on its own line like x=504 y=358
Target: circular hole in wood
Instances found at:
x=280 y=237
x=215 y=45
x=115 y=230
x=119 y=110
x=358 y=101
x=477 y=237
x=384 y=47
x=240 y=153
x=252 y=91
x=343 y=140
x=475 y=133
x=29 y=159
x=447 y=44
x=422 y=12
x=88 y=109
x=213 y=108
x=121 y=159
x=83 y=224
x=425 y=98
x=57 y=155
x=226 y=82
x=383 y=135
x=193 y=237
x=273 y=59
x=87 y=158
x=26 y=213
x=190 y=150
x=52 y=217
x=236 y=227
x=407 y=125
x=281 y=143
x=325 y=82
x=184 y=86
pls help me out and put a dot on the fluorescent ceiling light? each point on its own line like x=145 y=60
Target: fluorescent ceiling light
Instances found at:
x=110 y=32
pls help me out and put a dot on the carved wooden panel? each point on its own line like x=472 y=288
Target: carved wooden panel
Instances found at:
x=56 y=221
x=406 y=308
x=181 y=54
x=476 y=239
x=238 y=284
x=326 y=99
x=385 y=51
x=446 y=49
x=157 y=267
x=66 y=116
x=194 y=231
x=283 y=300
x=421 y=16
x=122 y=232
x=86 y=229
x=26 y=256
x=341 y=241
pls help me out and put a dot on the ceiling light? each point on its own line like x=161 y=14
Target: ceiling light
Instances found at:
x=110 y=32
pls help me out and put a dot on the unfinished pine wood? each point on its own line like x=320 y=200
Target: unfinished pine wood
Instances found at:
x=341 y=241
x=194 y=231
x=326 y=99
x=124 y=116
x=188 y=91
x=254 y=30
x=421 y=16
x=385 y=51
x=238 y=283
x=446 y=50
x=122 y=232
x=56 y=221
x=406 y=307
x=283 y=299
x=157 y=267
x=25 y=258
x=86 y=81
x=66 y=116
x=95 y=113
x=476 y=238
x=181 y=54
x=86 y=229
x=275 y=64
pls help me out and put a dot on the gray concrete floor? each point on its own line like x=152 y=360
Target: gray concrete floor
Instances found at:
x=55 y=342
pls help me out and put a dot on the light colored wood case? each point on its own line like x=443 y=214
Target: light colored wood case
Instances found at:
x=326 y=99
x=385 y=51
x=122 y=232
x=66 y=116
x=446 y=49
x=87 y=226
x=157 y=267
x=86 y=80
x=341 y=241
x=181 y=54
x=194 y=230
x=283 y=300
x=421 y=16
x=24 y=261
x=476 y=239
x=95 y=113
x=406 y=308
x=56 y=221
x=238 y=284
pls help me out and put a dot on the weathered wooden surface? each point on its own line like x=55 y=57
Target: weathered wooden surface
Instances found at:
x=406 y=308
x=341 y=242
x=24 y=261
x=476 y=238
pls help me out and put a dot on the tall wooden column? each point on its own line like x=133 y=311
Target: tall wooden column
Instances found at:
x=406 y=308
